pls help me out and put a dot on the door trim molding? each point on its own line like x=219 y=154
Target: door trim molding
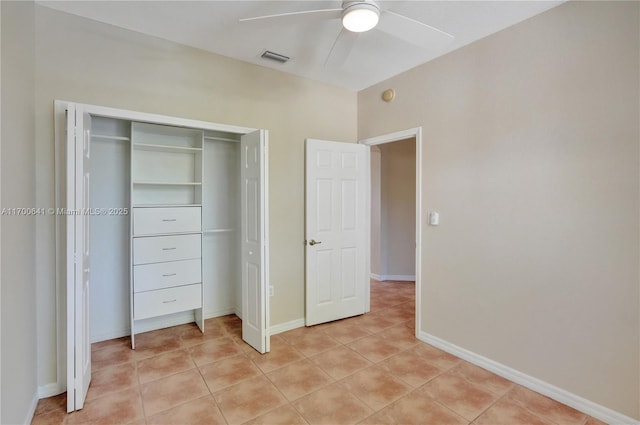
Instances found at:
x=416 y=133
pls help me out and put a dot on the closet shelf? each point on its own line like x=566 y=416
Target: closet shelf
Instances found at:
x=165 y=148
x=221 y=139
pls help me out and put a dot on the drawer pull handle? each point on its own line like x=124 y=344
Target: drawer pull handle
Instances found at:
x=168 y=249
x=168 y=219
x=170 y=301
x=167 y=275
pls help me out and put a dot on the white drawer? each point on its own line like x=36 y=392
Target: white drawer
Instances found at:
x=153 y=221
x=166 y=301
x=148 y=277
x=157 y=249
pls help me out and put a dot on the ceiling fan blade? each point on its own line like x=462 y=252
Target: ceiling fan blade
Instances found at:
x=412 y=31
x=298 y=17
x=341 y=48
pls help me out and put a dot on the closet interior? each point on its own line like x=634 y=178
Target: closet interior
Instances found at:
x=164 y=235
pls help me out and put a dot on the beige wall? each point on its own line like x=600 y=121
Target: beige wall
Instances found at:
x=88 y=62
x=531 y=156
x=398 y=209
x=19 y=344
x=530 y=153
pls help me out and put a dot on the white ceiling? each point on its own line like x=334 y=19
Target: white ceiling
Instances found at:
x=213 y=26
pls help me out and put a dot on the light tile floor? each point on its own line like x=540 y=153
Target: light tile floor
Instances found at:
x=368 y=369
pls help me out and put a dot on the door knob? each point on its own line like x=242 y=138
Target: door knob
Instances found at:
x=312 y=242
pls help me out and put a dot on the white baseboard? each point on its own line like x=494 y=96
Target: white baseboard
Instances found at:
x=399 y=277
x=235 y=311
x=219 y=313
x=49 y=390
x=159 y=323
x=563 y=396
x=287 y=326
x=113 y=334
x=182 y=318
x=32 y=409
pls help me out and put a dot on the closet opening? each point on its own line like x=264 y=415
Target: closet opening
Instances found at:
x=166 y=223
x=158 y=184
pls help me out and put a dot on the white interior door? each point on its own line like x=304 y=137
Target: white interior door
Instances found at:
x=336 y=230
x=254 y=240
x=78 y=270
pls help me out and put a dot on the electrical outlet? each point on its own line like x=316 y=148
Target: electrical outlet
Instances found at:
x=271 y=291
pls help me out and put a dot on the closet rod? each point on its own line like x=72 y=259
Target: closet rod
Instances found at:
x=217 y=231
x=102 y=136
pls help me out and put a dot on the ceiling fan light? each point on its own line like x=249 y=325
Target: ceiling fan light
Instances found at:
x=360 y=17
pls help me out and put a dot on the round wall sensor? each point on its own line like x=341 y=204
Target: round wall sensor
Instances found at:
x=388 y=95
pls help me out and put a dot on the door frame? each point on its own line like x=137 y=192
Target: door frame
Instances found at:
x=397 y=136
x=60 y=125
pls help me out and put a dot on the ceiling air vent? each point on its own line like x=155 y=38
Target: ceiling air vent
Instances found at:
x=275 y=57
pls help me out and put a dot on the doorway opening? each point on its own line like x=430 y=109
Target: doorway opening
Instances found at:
x=396 y=203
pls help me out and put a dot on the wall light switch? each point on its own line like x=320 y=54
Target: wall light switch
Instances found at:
x=434 y=218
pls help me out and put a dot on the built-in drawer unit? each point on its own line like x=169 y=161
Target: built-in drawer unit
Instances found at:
x=148 y=277
x=166 y=223
x=166 y=301
x=155 y=221
x=157 y=249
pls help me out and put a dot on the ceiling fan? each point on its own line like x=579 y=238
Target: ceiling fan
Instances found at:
x=359 y=16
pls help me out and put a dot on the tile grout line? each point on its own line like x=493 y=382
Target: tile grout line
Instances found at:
x=491 y=405
x=182 y=346
x=209 y=389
